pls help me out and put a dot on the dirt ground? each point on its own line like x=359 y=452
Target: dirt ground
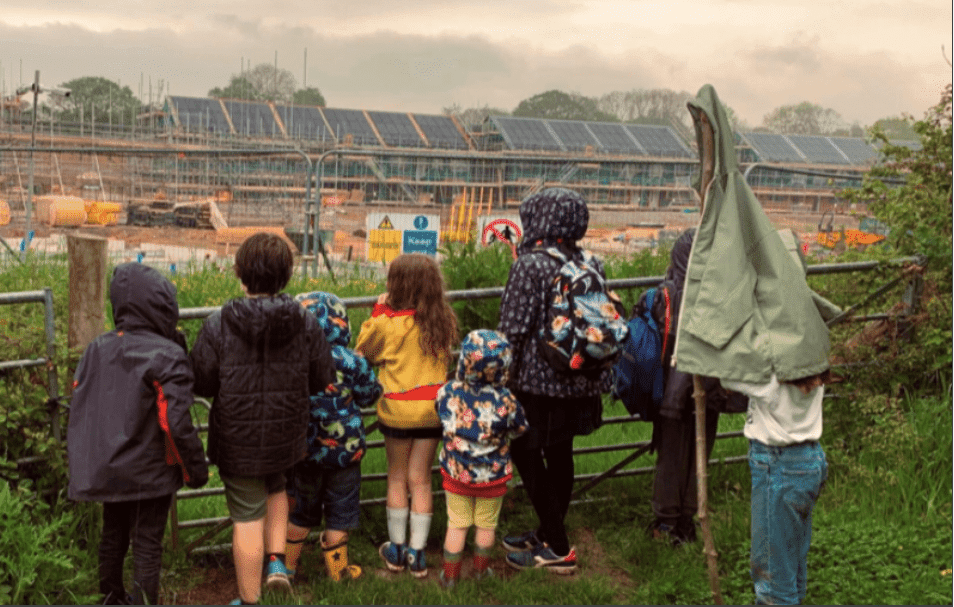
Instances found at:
x=607 y=234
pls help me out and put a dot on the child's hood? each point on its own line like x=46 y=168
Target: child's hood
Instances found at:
x=485 y=357
x=143 y=299
x=277 y=319
x=331 y=313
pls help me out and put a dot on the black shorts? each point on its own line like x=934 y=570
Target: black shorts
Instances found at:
x=405 y=433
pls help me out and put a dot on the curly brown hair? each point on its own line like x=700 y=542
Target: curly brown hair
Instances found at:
x=415 y=283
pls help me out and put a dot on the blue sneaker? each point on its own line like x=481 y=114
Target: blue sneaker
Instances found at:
x=543 y=557
x=521 y=543
x=416 y=563
x=276 y=577
x=394 y=556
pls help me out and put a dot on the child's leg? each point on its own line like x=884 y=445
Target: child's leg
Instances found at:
x=149 y=525
x=248 y=500
x=112 y=551
x=294 y=540
x=398 y=452
x=248 y=551
x=460 y=516
x=420 y=460
x=341 y=502
x=276 y=523
x=454 y=541
x=486 y=515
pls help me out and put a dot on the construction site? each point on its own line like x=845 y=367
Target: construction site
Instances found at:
x=208 y=172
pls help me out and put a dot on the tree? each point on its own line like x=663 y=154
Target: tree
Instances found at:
x=308 y=96
x=471 y=118
x=910 y=192
x=649 y=106
x=264 y=82
x=238 y=88
x=97 y=98
x=803 y=119
x=897 y=128
x=563 y=106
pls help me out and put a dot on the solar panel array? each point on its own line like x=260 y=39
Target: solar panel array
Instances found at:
x=303 y=122
x=817 y=150
x=200 y=114
x=396 y=129
x=440 y=131
x=773 y=148
x=577 y=135
x=574 y=134
x=252 y=118
x=659 y=141
x=857 y=150
x=351 y=122
x=614 y=138
x=526 y=133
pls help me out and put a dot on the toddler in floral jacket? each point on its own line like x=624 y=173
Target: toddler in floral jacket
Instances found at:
x=479 y=416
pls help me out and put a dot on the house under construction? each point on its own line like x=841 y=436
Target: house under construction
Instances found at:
x=262 y=161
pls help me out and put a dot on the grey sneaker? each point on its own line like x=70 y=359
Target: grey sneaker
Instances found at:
x=543 y=557
x=522 y=543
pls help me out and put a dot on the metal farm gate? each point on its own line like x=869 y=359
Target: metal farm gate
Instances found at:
x=631 y=451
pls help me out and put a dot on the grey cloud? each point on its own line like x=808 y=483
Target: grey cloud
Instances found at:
x=393 y=71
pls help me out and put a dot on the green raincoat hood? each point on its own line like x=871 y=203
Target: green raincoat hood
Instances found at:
x=747 y=311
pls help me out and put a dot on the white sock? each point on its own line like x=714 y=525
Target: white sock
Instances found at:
x=420 y=527
x=397 y=525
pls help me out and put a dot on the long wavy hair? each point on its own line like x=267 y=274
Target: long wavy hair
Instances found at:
x=415 y=283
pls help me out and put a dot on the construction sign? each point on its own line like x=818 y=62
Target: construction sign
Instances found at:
x=390 y=234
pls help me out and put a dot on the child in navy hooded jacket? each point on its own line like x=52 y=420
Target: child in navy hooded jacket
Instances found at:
x=131 y=441
x=479 y=416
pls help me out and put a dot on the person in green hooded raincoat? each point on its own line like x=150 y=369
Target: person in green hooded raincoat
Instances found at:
x=749 y=318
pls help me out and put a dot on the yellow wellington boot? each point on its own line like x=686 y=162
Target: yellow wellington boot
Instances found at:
x=336 y=559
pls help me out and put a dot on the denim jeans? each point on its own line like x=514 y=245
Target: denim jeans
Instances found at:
x=786 y=482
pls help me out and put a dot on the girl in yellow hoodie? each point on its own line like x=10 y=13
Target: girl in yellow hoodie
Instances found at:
x=409 y=336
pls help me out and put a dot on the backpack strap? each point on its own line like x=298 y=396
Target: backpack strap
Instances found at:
x=665 y=291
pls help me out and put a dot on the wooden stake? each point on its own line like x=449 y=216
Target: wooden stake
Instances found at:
x=702 y=479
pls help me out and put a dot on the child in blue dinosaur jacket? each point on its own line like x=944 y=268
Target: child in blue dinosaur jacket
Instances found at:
x=479 y=416
x=328 y=481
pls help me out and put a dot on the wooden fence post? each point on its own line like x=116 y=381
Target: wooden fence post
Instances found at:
x=87 y=317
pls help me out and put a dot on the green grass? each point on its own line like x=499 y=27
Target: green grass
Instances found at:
x=882 y=531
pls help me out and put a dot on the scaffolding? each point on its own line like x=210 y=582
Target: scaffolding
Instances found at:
x=263 y=172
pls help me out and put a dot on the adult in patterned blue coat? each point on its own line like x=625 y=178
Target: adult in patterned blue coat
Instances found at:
x=558 y=406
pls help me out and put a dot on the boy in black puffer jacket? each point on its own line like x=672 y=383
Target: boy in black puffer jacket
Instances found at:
x=260 y=357
x=131 y=441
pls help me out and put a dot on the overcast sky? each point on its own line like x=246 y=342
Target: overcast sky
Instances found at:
x=866 y=59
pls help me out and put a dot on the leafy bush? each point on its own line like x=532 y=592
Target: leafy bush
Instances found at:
x=42 y=560
x=911 y=193
x=467 y=266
